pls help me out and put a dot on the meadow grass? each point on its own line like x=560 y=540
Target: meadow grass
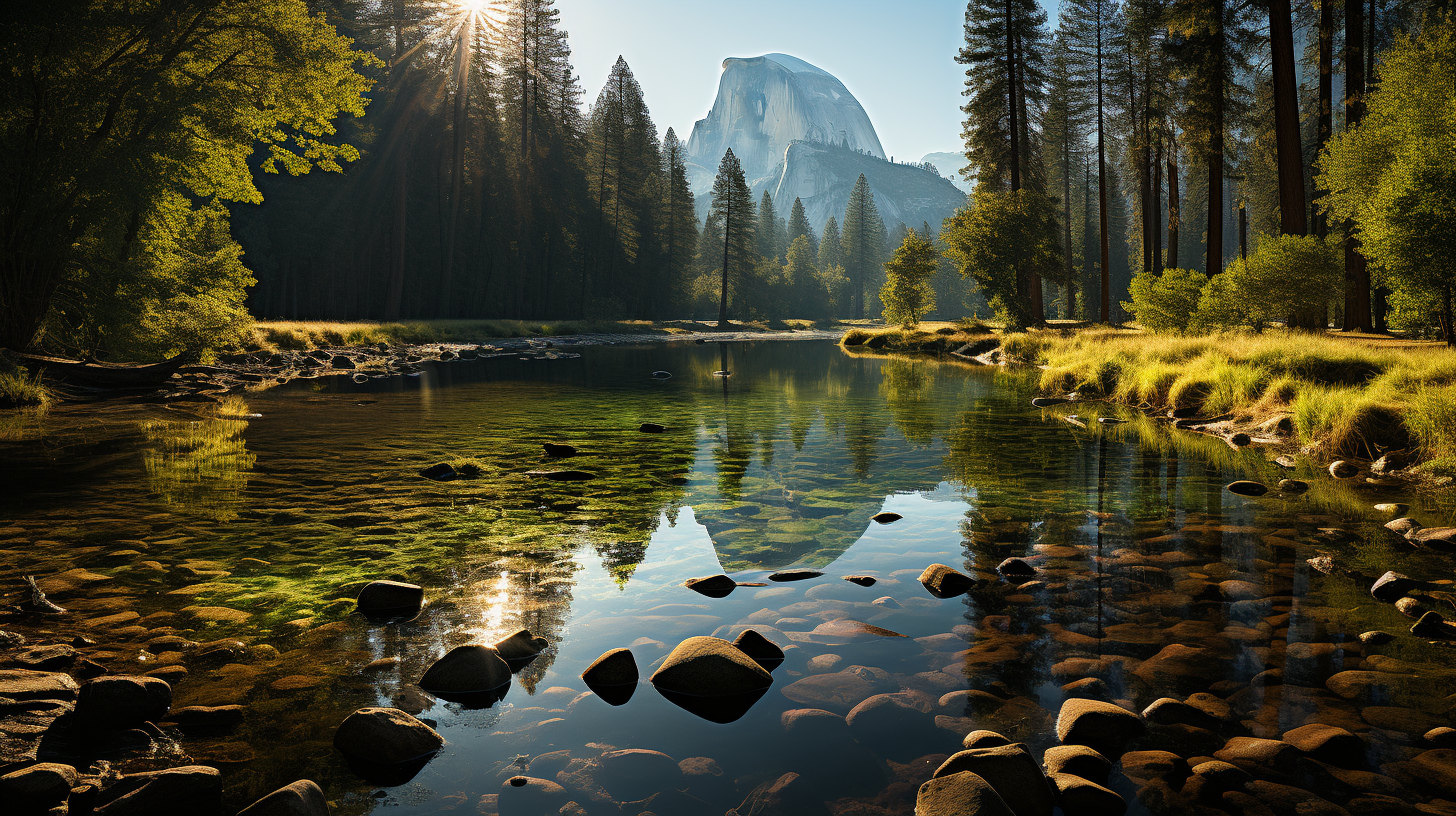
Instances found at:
x=1343 y=396
x=18 y=389
x=932 y=337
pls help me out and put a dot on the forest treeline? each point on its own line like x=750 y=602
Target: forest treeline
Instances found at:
x=172 y=167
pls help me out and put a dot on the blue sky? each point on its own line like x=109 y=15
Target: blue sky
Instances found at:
x=898 y=59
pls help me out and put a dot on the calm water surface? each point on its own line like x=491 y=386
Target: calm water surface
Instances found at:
x=262 y=528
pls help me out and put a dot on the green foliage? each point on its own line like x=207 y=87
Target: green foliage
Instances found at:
x=1394 y=174
x=807 y=293
x=1285 y=275
x=862 y=242
x=1165 y=302
x=799 y=226
x=18 y=389
x=732 y=217
x=115 y=111
x=907 y=293
x=1002 y=241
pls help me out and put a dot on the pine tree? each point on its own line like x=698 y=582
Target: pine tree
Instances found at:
x=808 y=298
x=831 y=245
x=831 y=269
x=679 y=223
x=799 y=225
x=768 y=234
x=863 y=242
x=1089 y=27
x=732 y=210
x=1003 y=55
x=1063 y=126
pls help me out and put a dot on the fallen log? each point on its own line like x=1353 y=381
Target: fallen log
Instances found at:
x=101 y=375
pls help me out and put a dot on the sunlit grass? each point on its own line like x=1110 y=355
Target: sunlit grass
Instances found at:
x=1344 y=396
x=935 y=337
x=18 y=389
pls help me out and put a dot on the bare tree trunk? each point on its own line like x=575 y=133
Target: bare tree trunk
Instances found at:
x=1104 y=252
x=1357 y=273
x=1173 y=206
x=1155 y=218
x=1292 y=211
x=448 y=298
x=1324 y=126
x=727 y=241
x=394 y=297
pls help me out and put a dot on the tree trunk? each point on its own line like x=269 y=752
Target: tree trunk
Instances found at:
x=1154 y=221
x=448 y=298
x=727 y=239
x=1448 y=327
x=1292 y=212
x=1213 y=262
x=1324 y=126
x=394 y=296
x=1173 y=206
x=1105 y=303
x=1357 y=273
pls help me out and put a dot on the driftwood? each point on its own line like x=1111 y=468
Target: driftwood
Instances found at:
x=102 y=375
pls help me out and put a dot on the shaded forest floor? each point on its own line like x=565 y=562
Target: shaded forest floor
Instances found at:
x=304 y=335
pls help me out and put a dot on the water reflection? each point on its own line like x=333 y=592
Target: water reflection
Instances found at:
x=264 y=530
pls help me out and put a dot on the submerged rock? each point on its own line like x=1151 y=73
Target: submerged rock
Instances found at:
x=1047 y=402
x=1340 y=469
x=301 y=798
x=945 y=582
x=651 y=427
x=1016 y=568
x=471 y=669
x=386 y=736
x=528 y=796
x=441 y=472
x=1432 y=625
x=558 y=451
x=1078 y=760
x=1392 y=586
x=191 y=789
x=39 y=787
x=1247 y=488
x=1294 y=486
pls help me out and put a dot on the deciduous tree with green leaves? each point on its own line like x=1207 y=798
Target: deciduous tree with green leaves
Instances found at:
x=907 y=293
x=1000 y=237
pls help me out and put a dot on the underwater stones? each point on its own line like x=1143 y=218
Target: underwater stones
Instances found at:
x=1011 y=771
x=1403 y=527
x=188 y=790
x=960 y=794
x=945 y=582
x=1259 y=752
x=520 y=645
x=1392 y=586
x=651 y=427
x=861 y=580
x=1328 y=743
x=1432 y=625
x=891 y=721
x=1437 y=768
x=885 y=517
x=840 y=691
x=763 y=651
x=203 y=718
x=845 y=628
x=1179 y=667
x=386 y=736
x=561 y=475
x=710 y=667
x=1410 y=607
x=1078 y=760
x=1103 y=727
x=301 y=798
x=1016 y=568
x=714 y=586
x=1047 y=402
x=795 y=575
x=528 y=796
x=390 y=598
x=1247 y=488
x=470 y=669
x=613 y=676
x=1084 y=797
x=441 y=472
x=121 y=701
x=1340 y=469
x=637 y=773
x=1293 y=486
x=558 y=451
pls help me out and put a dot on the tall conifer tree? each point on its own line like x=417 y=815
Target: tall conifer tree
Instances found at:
x=863 y=241
x=732 y=214
x=799 y=225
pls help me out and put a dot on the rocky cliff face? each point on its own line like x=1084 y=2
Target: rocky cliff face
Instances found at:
x=822 y=177
x=799 y=133
x=763 y=104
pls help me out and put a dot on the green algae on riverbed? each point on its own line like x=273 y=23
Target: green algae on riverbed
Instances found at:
x=262 y=529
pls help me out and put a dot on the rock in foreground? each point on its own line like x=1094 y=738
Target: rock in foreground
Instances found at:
x=386 y=736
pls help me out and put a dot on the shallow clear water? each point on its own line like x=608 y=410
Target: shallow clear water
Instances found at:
x=147 y=522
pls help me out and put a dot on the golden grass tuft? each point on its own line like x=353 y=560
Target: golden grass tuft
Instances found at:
x=20 y=390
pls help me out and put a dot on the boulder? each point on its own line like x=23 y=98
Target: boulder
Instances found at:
x=340 y=361
x=960 y=794
x=471 y=669
x=1340 y=469
x=763 y=651
x=1083 y=797
x=1167 y=711
x=1103 y=727
x=121 y=701
x=714 y=586
x=1440 y=539
x=815 y=725
x=386 y=736
x=983 y=739
x=615 y=667
x=1328 y=743
x=1077 y=760
x=1247 y=488
x=1403 y=527
x=207 y=717
x=1258 y=752
x=1437 y=769
x=1222 y=776
x=390 y=598
x=1432 y=626
x=191 y=790
x=1392 y=586
x=301 y=798
x=1011 y=771
x=1016 y=568
x=1441 y=737
x=1375 y=637
x=945 y=582
x=528 y=796
x=1143 y=766
x=39 y=787
x=24 y=684
x=789 y=795
x=520 y=645
x=710 y=667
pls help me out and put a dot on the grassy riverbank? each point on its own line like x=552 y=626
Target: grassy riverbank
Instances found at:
x=20 y=390
x=302 y=334
x=929 y=338
x=1342 y=396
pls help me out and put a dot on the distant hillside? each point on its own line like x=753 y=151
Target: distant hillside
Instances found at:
x=822 y=176
x=949 y=165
